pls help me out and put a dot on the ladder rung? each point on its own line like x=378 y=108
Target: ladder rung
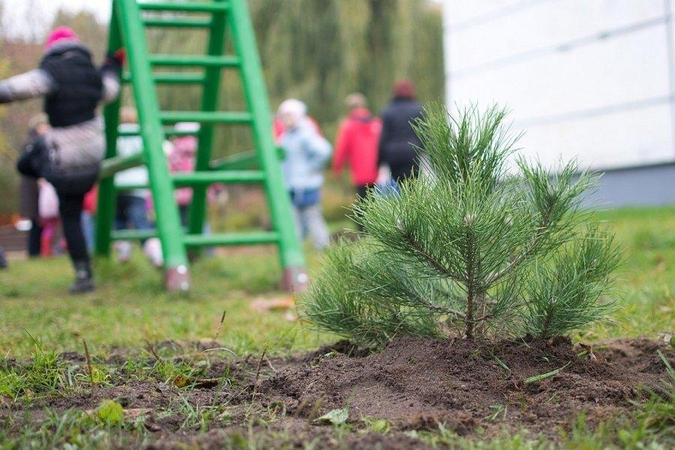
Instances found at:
x=194 y=7
x=177 y=22
x=177 y=77
x=206 y=117
x=197 y=240
x=131 y=235
x=224 y=176
x=244 y=160
x=115 y=164
x=172 y=77
x=131 y=186
x=191 y=60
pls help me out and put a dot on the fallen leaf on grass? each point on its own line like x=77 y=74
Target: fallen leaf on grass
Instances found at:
x=263 y=304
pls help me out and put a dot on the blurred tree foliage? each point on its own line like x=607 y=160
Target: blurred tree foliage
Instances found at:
x=319 y=51
x=314 y=50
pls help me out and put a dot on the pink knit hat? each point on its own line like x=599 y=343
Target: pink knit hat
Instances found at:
x=60 y=33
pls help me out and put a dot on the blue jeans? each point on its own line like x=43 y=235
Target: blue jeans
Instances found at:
x=309 y=220
x=88 y=224
x=131 y=213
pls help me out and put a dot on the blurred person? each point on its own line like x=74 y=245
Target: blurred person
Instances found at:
x=88 y=218
x=28 y=187
x=182 y=155
x=48 y=210
x=306 y=153
x=279 y=127
x=396 y=150
x=70 y=153
x=3 y=259
x=356 y=144
x=182 y=158
x=131 y=203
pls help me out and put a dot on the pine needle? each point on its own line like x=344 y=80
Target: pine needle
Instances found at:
x=546 y=375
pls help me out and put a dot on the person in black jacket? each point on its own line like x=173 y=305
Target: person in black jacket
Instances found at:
x=396 y=149
x=70 y=153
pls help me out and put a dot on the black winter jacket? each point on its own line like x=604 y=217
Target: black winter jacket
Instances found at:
x=398 y=139
x=78 y=85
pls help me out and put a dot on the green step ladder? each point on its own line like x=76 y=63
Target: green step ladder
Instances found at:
x=129 y=21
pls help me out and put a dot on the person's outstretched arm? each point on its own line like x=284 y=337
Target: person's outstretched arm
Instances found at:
x=34 y=83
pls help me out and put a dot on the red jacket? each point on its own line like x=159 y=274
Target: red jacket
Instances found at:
x=356 y=146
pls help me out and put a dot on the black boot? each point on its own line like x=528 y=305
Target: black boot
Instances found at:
x=83 y=278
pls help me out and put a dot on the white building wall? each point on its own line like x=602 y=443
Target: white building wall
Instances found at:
x=591 y=79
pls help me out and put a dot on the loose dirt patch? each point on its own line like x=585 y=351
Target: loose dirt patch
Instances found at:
x=476 y=389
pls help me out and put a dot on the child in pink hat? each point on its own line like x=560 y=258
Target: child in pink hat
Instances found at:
x=72 y=88
x=60 y=34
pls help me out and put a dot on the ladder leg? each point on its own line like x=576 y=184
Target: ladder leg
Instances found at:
x=106 y=189
x=292 y=260
x=168 y=223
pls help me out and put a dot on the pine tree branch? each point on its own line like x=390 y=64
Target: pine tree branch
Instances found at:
x=427 y=304
x=517 y=261
x=427 y=257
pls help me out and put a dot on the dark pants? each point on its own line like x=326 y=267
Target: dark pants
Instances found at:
x=34 y=238
x=183 y=211
x=362 y=189
x=130 y=212
x=361 y=192
x=70 y=207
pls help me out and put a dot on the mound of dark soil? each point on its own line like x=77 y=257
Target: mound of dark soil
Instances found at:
x=470 y=387
x=417 y=384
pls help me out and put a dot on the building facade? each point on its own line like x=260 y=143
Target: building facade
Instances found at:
x=587 y=79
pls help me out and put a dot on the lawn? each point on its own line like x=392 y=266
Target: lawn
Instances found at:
x=156 y=334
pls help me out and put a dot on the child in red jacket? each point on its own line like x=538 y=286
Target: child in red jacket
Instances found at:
x=356 y=144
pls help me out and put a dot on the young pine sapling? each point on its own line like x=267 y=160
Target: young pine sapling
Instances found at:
x=470 y=245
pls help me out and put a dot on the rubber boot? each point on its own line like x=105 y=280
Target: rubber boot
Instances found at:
x=83 y=278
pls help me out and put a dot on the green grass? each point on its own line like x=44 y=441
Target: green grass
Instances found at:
x=130 y=307
x=646 y=280
x=130 y=312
